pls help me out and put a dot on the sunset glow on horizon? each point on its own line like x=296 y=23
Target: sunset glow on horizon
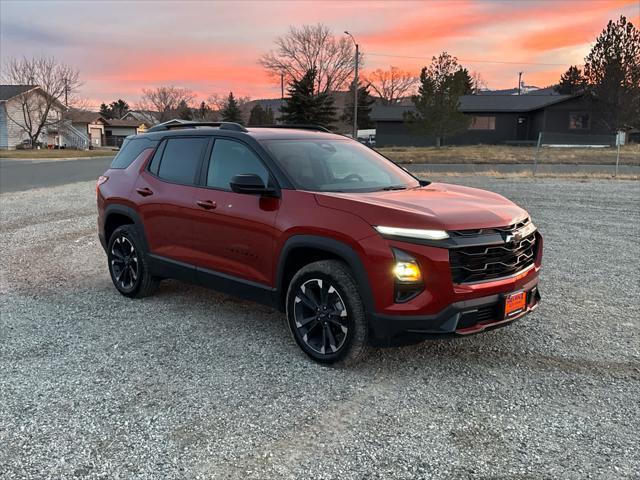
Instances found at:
x=213 y=47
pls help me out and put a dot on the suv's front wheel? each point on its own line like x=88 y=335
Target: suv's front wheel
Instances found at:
x=127 y=265
x=325 y=313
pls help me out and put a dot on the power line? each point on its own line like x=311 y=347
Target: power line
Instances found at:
x=467 y=60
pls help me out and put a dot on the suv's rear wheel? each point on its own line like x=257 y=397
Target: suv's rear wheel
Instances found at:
x=127 y=265
x=325 y=313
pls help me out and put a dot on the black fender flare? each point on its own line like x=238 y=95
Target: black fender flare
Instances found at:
x=133 y=215
x=342 y=250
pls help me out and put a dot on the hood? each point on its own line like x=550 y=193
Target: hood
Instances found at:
x=438 y=206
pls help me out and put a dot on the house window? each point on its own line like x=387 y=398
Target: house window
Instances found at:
x=482 y=123
x=578 y=121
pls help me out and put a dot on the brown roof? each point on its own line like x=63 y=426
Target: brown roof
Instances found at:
x=81 y=116
x=124 y=123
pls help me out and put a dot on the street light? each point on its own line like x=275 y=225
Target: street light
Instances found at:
x=355 y=90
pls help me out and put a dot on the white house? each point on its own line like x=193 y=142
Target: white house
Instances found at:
x=13 y=124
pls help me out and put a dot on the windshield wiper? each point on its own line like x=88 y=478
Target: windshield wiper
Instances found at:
x=393 y=187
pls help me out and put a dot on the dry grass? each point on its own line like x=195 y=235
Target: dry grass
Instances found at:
x=45 y=154
x=496 y=174
x=482 y=154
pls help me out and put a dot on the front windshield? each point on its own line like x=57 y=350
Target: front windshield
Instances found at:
x=337 y=166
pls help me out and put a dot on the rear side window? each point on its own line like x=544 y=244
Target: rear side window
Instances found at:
x=130 y=150
x=181 y=159
x=230 y=158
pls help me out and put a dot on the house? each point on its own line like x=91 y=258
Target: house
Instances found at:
x=14 y=124
x=90 y=124
x=495 y=119
x=116 y=130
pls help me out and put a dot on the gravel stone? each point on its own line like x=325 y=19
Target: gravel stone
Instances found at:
x=192 y=384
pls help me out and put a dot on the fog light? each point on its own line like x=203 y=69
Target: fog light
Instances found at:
x=407 y=272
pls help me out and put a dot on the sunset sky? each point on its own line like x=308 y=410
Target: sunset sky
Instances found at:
x=213 y=46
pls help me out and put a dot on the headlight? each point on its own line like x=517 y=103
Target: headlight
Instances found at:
x=413 y=233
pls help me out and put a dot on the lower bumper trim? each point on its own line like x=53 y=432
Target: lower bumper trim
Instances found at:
x=460 y=318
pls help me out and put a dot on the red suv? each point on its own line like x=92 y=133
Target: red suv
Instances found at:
x=352 y=247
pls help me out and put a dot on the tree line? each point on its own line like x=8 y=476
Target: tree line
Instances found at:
x=316 y=66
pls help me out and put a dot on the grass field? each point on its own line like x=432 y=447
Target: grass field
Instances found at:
x=44 y=154
x=629 y=154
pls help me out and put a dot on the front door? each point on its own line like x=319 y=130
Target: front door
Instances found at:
x=522 y=129
x=234 y=233
x=165 y=198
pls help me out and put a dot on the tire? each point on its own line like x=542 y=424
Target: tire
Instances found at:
x=323 y=295
x=128 y=265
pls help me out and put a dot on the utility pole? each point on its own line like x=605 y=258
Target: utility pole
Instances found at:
x=355 y=89
x=66 y=92
x=519 y=82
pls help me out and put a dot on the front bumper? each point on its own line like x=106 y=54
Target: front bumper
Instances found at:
x=460 y=318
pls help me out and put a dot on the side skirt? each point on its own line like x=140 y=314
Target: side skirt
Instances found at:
x=221 y=282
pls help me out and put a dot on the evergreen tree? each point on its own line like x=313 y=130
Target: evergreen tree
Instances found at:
x=183 y=112
x=257 y=116
x=117 y=109
x=437 y=103
x=104 y=111
x=231 y=111
x=365 y=102
x=612 y=69
x=572 y=82
x=305 y=106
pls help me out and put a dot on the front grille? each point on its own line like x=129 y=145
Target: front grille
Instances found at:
x=480 y=263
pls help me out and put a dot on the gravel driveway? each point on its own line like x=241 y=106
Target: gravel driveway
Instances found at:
x=193 y=384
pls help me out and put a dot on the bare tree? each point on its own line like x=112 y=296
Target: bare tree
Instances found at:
x=312 y=47
x=392 y=85
x=58 y=84
x=165 y=100
x=478 y=84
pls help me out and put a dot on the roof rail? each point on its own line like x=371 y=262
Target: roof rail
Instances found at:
x=318 y=128
x=178 y=124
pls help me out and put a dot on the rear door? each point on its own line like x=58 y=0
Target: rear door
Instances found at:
x=165 y=196
x=235 y=235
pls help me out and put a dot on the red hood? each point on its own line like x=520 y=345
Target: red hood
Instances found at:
x=438 y=206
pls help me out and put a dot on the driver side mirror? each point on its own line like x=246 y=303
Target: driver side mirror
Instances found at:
x=251 y=184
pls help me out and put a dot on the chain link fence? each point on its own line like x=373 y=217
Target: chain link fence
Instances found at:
x=585 y=149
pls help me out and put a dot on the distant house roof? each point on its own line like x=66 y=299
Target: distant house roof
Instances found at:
x=7 y=92
x=115 y=122
x=81 y=116
x=146 y=116
x=477 y=104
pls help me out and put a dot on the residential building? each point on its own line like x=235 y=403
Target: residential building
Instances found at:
x=495 y=119
x=15 y=100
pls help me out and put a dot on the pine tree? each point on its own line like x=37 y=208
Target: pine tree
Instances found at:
x=437 y=104
x=612 y=69
x=257 y=116
x=305 y=106
x=104 y=111
x=572 y=82
x=183 y=112
x=269 y=117
x=231 y=111
x=365 y=102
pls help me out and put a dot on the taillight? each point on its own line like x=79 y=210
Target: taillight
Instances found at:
x=100 y=181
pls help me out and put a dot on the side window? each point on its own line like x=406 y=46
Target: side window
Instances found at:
x=130 y=150
x=230 y=158
x=180 y=159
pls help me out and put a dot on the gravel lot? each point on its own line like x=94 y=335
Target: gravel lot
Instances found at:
x=194 y=384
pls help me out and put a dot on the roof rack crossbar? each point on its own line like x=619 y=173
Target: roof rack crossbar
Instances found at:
x=318 y=128
x=187 y=124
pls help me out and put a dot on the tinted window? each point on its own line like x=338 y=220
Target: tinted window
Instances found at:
x=229 y=158
x=181 y=158
x=130 y=150
x=337 y=166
